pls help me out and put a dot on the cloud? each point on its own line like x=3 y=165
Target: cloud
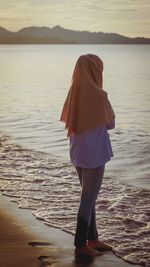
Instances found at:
x=94 y=15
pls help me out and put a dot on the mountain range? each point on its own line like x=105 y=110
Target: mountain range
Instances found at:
x=59 y=35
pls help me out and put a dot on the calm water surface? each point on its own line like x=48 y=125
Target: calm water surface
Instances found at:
x=34 y=83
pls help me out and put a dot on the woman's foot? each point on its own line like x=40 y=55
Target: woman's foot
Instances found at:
x=97 y=244
x=86 y=251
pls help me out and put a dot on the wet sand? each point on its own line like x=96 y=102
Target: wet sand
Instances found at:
x=27 y=242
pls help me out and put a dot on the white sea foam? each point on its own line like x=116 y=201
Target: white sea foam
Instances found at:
x=51 y=189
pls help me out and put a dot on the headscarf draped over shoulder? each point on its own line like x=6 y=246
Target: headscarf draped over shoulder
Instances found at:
x=87 y=105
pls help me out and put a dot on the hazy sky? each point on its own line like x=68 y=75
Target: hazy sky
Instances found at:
x=127 y=17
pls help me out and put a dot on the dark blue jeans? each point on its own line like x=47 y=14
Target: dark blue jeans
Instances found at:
x=90 y=180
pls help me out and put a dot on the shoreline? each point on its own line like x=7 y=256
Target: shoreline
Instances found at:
x=28 y=242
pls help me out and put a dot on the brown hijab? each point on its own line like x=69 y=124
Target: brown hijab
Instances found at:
x=87 y=105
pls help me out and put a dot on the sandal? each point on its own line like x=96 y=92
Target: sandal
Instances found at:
x=98 y=245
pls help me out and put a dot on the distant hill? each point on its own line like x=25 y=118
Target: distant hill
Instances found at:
x=59 y=35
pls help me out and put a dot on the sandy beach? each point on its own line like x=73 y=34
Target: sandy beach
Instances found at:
x=26 y=241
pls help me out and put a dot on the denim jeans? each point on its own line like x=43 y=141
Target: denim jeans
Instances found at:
x=90 y=181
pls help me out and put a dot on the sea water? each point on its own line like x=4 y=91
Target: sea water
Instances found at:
x=35 y=169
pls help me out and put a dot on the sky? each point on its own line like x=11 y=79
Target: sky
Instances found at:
x=126 y=17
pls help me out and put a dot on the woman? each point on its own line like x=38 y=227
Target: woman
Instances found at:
x=88 y=115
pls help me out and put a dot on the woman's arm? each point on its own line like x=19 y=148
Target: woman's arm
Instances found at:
x=110 y=125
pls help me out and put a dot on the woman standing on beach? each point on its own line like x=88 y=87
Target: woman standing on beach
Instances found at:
x=88 y=115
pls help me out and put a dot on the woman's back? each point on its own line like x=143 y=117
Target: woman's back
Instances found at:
x=91 y=148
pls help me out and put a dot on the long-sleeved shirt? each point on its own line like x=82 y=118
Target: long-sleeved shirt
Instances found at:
x=92 y=148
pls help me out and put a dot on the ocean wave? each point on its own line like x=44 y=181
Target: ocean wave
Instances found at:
x=50 y=188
